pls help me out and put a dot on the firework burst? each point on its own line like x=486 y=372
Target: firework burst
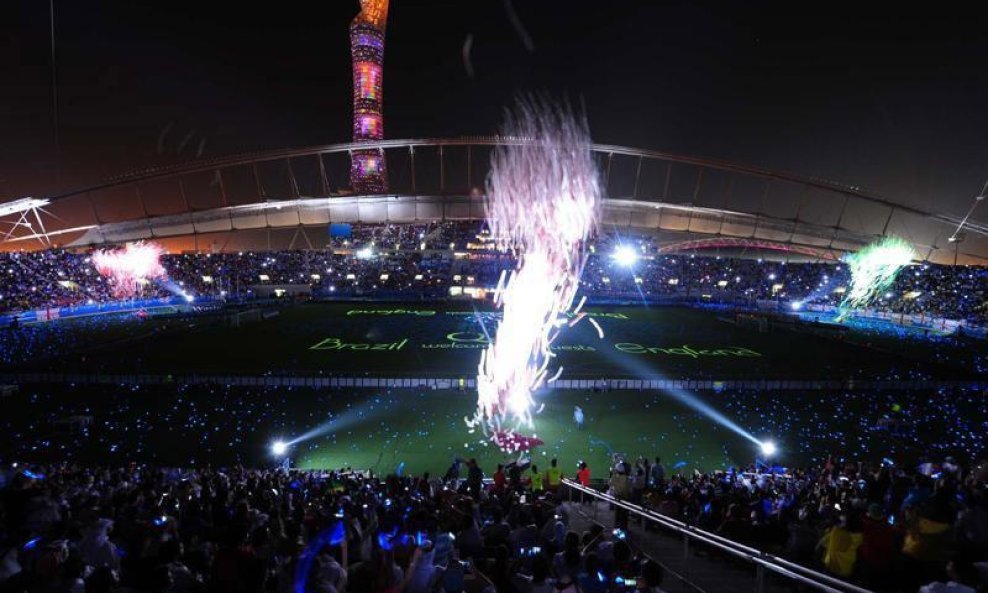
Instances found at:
x=130 y=267
x=873 y=270
x=543 y=202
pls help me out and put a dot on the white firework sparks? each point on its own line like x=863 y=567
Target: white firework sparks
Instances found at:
x=130 y=267
x=543 y=202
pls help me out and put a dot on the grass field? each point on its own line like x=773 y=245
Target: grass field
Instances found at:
x=387 y=339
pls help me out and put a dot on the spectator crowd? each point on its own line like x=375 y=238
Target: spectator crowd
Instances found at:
x=427 y=260
x=71 y=528
x=885 y=526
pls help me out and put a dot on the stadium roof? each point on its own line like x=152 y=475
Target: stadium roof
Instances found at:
x=241 y=201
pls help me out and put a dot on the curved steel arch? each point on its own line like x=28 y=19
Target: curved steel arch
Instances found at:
x=733 y=243
x=629 y=215
x=153 y=173
x=683 y=214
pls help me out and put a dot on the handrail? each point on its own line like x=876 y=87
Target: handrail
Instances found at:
x=780 y=566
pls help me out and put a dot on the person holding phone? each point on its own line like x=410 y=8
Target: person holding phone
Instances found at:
x=422 y=572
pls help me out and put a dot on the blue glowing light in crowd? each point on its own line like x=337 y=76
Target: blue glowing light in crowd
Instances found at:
x=31 y=544
x=385 y=540
x=279 y=448
x=332 y=536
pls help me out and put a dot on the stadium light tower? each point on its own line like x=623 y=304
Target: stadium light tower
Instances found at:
x=368 y=173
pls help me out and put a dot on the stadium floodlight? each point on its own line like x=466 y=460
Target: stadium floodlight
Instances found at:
x=768 y=448
x=365 y=253
x=625 y=256
x=796 y=305
x=278 y=448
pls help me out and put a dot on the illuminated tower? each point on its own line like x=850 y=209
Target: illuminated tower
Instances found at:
x=368 y=174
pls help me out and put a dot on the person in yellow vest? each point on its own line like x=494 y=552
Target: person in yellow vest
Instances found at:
x=927 y=541
x=840 y=548
x=554 y=477
x=535 y=480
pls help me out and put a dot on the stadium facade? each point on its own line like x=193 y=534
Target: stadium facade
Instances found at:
x=287 y=198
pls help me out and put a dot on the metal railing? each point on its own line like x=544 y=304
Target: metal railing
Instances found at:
x=762 y=562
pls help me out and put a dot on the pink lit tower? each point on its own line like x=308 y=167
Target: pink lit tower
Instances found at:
x=368 y=174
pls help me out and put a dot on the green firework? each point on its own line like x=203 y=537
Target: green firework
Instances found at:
x=873 y=270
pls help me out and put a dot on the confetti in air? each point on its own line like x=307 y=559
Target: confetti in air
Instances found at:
x=129 y=268
x=873 y=270
x=543 y=201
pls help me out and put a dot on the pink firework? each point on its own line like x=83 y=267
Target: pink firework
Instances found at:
x=129 y=268
x=543 y=202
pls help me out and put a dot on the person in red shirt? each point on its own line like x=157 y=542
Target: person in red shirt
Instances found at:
x=881 y=541
x=500 y=480
x=583 y=474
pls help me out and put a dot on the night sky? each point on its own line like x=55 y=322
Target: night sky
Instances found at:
x=891 y=101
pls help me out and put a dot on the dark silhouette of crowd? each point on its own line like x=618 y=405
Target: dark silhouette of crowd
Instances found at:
x=140 y=528
x=137 y=528
x=887 y=527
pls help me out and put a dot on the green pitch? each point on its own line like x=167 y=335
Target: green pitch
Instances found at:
x=426 y=340
x=425 y=429
x=380 y=429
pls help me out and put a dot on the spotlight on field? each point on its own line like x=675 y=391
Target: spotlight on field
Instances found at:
x=768 y=448
x=637 y=368
x=278 y=448
x=625 y=256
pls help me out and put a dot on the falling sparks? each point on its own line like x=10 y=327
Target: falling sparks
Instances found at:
x=873 y=270
x=129 y=268
x=543 y=201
